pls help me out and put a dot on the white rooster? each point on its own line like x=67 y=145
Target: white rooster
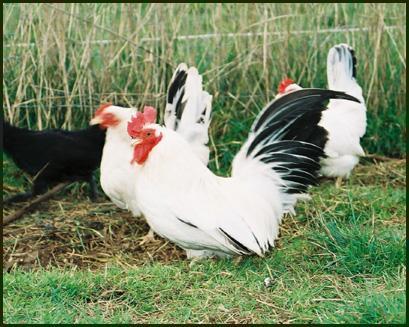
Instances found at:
x=187 y=112
x=205 y=214
x=345 y=121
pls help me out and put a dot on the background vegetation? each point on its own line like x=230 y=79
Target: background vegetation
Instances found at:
x=341 y=259
x=62 y=60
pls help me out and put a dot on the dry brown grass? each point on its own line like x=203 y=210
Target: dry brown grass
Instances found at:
x=388 y=172
x=83 y=234
x=62 y=60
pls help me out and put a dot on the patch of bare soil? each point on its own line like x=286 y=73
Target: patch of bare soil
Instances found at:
x=81 y=234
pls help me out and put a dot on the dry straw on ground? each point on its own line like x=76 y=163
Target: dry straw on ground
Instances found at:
x=68 y=233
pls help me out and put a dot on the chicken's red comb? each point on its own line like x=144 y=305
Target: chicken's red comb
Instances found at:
x=284 y=84
x=137 y=122
x=101 y=108
x=149 y=114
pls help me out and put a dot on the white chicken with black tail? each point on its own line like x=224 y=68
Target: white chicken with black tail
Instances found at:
x=205 y=214
x=345 y=121
x=188 y=109
x=191 y=107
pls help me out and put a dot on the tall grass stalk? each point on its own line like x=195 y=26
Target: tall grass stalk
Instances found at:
x=60 y=61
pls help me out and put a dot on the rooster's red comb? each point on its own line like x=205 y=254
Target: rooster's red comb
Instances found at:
x=101 y=108
x=137 y=122
x=149 y=114
x=284 y=84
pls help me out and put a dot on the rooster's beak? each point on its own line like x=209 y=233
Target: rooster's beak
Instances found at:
x=95 y=121
x=136 y=141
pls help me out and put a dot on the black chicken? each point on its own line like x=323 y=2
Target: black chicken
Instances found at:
x=54 y=156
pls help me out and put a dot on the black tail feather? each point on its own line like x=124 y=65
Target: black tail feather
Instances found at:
x=354 y=61
x=176 y=91
x=286 y=135
x=346 y=51
x=295 y=103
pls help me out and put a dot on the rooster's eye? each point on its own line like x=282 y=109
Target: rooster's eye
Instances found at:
x=148 y=134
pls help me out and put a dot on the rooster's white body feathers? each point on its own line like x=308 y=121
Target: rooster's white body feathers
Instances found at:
x=197 y=208
x=205 y=214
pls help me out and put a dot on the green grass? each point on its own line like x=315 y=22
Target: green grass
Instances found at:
x=55 y=75
x=342 y=259
x=212 y=292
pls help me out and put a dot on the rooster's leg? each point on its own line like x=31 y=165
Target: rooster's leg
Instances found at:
x=197 y=255
x=338 y=182
x=150 y=237
x=92 y=188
